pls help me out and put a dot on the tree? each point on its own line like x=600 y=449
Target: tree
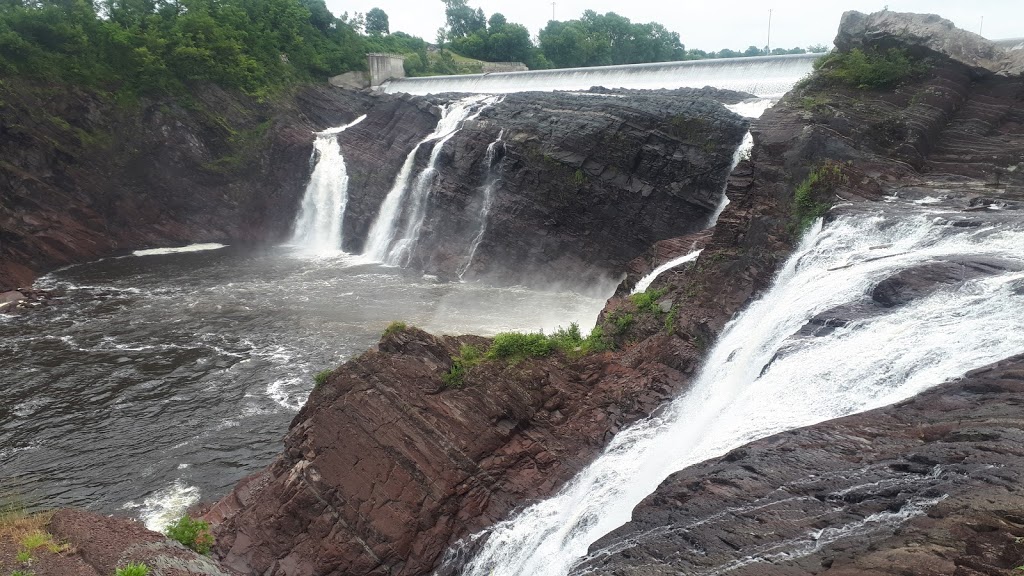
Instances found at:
x=463 y=20
x=377 y=22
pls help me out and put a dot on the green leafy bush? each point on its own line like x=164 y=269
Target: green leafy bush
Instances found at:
x=133 y=570
x=194 y=534
x=519 y=345
x=321 y=377
x=874 y=69
x=822 y=181
x=468 y=357
x=648 y=301
x=394 y=327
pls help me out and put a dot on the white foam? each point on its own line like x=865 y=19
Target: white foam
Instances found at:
x=179 y=250
x=165 y=506
x=644 y=283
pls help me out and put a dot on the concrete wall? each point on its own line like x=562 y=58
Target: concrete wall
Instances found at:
x=490 y=67
x=384 y=67
x=351 y=80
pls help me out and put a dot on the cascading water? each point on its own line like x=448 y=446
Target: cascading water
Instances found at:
x=764 y=376
x=383 y=243
x=644 y=283
x=318 y=225
x=493 y=178
x=765 y=76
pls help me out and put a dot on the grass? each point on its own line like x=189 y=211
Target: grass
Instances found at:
x=468 y=357
x=133 y=570
x=648 y=301
x=820 y=182
x=670 y=320
x=193 y=534
x=23 y=557
x=872 y=69
x=515 y=347
x=394 y=327
x=321 y=377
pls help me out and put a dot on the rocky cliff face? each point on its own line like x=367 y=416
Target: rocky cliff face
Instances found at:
x=84 y=176
x=583 y=182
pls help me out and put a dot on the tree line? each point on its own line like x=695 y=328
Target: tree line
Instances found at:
x=258 y=46
x=591 y=40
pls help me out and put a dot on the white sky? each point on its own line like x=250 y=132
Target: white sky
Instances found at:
x=709 y=25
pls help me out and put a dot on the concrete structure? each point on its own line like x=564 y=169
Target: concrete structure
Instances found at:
x=384 y=67
x=490 y=67
x=351 y=80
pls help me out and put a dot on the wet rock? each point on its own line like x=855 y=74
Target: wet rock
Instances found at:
x=913 y=283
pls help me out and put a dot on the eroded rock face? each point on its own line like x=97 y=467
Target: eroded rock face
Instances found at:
x=583 y=182
x=384 y=468
x=83 y=177
x=927 y=33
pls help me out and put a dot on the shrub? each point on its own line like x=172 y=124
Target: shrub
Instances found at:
x=874 y=69
x=820 y=181
x=468 y=357
x=648 y=301
x=133 y=570
x=670 y=320
x=394 y=327
x=620 y=319
x=321 y=377
x=518 y=345
x=194 y=534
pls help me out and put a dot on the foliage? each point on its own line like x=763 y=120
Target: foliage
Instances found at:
x=194 y=534
x=874 y=69
x=377 y=22
x=468 y=357
x=572 y=343
x=321 y=377
x=163 y=46
x=133 y=570
x=647 y=301
x=518 y=345
x=670 y=320
x=23 y=556
x=394 y=327
x=807 y=198
x=621 y=319
x=603 y=39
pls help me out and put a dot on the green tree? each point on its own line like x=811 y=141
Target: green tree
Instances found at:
x=377 y=22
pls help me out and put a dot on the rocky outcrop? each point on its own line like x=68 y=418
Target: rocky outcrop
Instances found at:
x=385 y=468
x=85 y=176
x=79 y=543
x=585 y=183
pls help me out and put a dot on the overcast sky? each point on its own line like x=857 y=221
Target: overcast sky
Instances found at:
x=709 y=25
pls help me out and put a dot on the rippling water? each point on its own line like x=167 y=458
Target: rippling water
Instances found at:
x=155 y=381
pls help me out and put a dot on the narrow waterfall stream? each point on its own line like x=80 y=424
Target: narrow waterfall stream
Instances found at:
x=385 y=243
x=318 y=224
x=492 y=181
x=767 y=375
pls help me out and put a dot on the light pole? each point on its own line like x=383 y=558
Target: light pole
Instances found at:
x=552 y=10
x=768 y=48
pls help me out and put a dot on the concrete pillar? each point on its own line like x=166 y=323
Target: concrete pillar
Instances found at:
x=384 y=67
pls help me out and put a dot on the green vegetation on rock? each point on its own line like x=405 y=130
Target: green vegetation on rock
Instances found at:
x=133 y=569
x=872 y=69
x=812 y=198
x=396 y=326
x=191 y=533
x=321 y=377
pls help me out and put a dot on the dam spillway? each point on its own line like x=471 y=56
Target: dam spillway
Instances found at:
x=763 y=76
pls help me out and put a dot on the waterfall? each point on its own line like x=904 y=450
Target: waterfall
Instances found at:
x=764 y=376
x=493 y=178
x=318 y=224
x=644 y=283
x=383 y=242
x=765 y=76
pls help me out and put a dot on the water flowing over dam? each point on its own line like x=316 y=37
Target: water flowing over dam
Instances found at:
x=763 y=76
x=783 y=351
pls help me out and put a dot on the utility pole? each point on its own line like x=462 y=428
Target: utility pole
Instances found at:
x=768 y=48
x=982 y=27
x=552 y=10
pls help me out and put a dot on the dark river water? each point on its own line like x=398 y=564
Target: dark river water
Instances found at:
x=158 y=380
